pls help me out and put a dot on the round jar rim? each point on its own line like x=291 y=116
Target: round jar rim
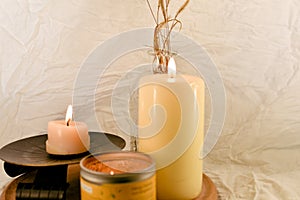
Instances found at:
x=120 y=155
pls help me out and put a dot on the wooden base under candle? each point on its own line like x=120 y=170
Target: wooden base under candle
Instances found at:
x=209 y=191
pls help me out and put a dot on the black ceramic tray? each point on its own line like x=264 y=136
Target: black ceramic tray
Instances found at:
x=32 y=151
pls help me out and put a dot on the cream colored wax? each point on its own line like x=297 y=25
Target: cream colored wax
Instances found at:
x=67 y=137
x=171 y=123
x=66 y=140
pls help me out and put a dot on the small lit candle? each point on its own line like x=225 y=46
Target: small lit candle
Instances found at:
x=67 y=137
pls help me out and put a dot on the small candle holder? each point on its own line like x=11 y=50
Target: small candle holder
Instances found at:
x=39 y=175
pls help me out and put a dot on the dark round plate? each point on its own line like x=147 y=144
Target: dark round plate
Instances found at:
x=32 y=151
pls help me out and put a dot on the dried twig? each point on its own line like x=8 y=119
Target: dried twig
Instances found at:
x=163 y=29
x=152 y=13
x=181 y=8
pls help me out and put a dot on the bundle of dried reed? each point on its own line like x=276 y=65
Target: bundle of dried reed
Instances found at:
x=165 y=24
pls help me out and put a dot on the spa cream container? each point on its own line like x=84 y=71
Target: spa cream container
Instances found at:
x=121 y=175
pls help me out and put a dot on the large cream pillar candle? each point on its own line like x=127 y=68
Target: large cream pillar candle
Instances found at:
x=171 y=126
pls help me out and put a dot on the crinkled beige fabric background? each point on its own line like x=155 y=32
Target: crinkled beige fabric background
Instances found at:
x=255 y=45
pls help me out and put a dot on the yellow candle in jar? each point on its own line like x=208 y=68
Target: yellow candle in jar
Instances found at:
x=171 y=126
x=118 y=175
x=67 y=137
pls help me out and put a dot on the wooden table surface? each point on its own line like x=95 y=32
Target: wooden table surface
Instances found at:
x=209 y=191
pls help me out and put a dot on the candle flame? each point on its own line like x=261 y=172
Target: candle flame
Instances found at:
x=172 y=68
x=69 y=115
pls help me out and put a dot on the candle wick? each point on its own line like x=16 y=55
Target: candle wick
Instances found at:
x=68 y=122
